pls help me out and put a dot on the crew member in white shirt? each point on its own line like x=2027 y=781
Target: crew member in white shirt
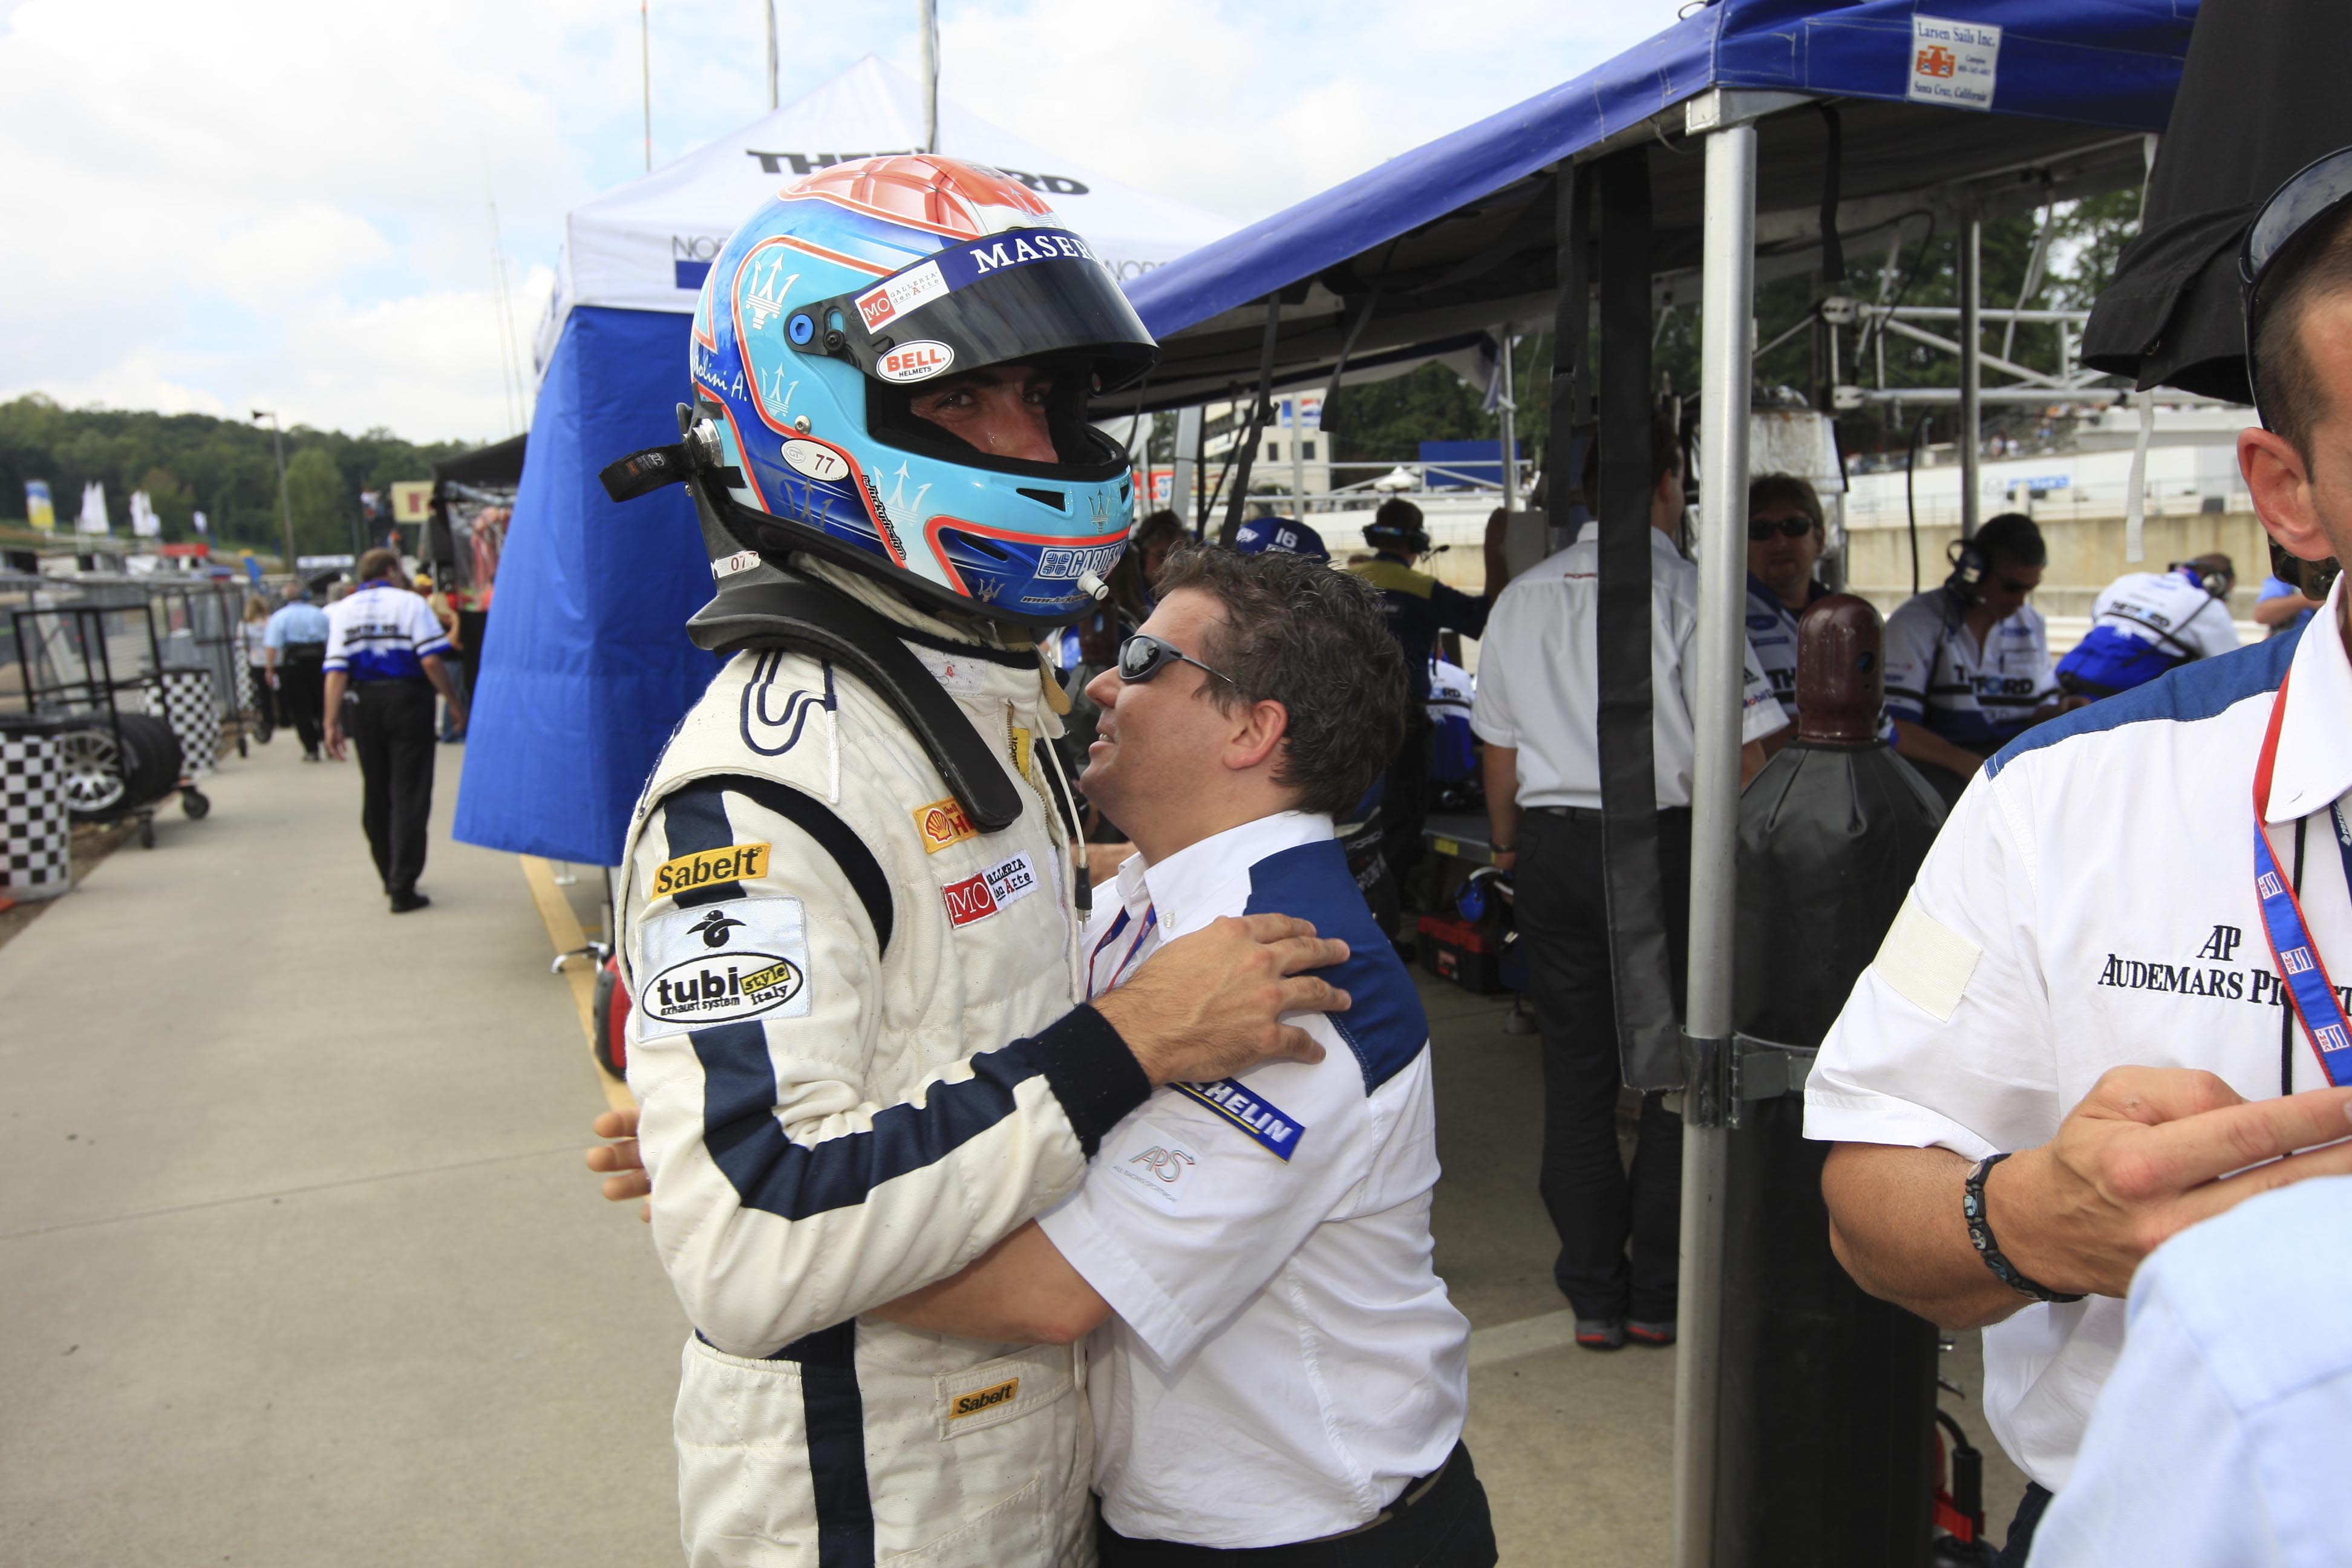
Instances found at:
x=2146 y=623
x=2219 y=1438
x=383 y=649
x=1968 y=664
x=1537 y=709
x=1273 y=1363
x=2074 y=1034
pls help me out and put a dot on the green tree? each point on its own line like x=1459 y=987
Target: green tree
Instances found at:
x=322 y=500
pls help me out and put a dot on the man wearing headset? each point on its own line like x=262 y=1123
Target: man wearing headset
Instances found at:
x=849 y=910
x=2144 y=623
x=2104 y=1012
x=1968 y=664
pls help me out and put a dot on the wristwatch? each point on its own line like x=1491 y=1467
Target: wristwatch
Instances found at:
x=1972 y=1207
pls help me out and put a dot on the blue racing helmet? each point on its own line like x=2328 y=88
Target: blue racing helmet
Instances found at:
x=854 y=290
x=1283 y=535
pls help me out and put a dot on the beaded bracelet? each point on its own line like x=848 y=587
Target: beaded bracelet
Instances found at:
x=1972 y=1207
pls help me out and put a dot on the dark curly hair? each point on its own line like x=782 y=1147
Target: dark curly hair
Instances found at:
x=1295 y=632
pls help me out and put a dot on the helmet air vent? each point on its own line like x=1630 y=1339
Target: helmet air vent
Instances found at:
x=1058 y=499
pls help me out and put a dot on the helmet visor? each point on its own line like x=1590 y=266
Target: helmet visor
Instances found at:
x=994 y=301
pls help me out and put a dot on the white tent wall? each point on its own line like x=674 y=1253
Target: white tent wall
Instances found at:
x=647 y=245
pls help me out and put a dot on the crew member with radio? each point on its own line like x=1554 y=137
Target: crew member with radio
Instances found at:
x=1968 y=664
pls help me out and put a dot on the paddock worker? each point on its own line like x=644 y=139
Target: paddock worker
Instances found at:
x=2106 y=991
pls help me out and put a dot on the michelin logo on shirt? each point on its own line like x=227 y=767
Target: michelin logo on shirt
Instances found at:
x=747 y=958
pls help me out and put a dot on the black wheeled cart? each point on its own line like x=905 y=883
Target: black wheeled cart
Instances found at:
x=120 y=764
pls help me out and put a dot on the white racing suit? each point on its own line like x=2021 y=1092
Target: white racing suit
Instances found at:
x=855 y=1045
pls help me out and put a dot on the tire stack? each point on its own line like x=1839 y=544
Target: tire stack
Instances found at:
x=112 y=768
x=36 y=831
x=183 y=696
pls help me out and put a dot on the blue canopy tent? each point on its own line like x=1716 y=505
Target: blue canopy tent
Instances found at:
x=1947 y=111
x=1456 y=237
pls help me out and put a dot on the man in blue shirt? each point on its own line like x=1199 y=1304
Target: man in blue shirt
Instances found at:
x=383 y=649
x=294 y=653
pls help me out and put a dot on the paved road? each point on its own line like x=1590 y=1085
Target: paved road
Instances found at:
x=297 y=1258
x=299 y=1267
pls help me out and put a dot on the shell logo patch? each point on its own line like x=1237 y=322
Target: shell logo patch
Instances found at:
x=942 y=824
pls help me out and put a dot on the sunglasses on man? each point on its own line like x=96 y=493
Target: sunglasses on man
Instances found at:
x=1760 y=529
x=1141 y=657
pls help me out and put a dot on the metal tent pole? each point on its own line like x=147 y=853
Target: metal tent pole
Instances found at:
x=1509 y=409
x=773 y=62
x=927 y=26
x=1971 y=370
x=1727 y=304
x=1188 y=461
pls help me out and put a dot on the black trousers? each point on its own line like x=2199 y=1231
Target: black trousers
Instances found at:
x=301 y=697
x=1603 y=1211
x=1404 y=804
x=2030 y=1508
x=1434 y=1524
x=392 y=730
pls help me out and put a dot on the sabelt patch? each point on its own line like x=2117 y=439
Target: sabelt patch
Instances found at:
x=747 y=958
x=980 y=1399
x=942 y=824
x=736 y=863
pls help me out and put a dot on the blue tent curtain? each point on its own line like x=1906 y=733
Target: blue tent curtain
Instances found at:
x=587 y=668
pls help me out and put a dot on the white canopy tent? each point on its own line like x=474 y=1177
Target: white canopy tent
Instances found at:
x=647 y=245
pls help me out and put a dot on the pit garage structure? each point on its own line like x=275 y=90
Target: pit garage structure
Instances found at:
x=1754 y=139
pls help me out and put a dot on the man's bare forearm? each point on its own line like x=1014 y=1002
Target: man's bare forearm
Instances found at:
x=1895 y=1226
x=1918 y=743
x=1020 y=1291
x=1500 y=770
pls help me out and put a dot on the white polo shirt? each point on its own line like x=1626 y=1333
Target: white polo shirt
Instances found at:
x=381 y=631
x=1539 y=685
x=1977 y=696
x=2166 y=608
x=2091 y=904
x=1284 y=1358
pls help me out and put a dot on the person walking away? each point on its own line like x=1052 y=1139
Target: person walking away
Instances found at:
x=250 y=634
x=1538 y=709
x=294 y=651
x=384 y=657
x=457 y=660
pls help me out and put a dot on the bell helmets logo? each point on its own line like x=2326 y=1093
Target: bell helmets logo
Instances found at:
x=915 y=362
x=723 y=987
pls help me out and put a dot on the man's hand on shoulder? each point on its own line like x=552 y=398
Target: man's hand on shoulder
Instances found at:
x=2147 y=1154
x=1210 y=1005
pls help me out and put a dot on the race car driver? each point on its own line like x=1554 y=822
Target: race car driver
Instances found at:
x=847 y=913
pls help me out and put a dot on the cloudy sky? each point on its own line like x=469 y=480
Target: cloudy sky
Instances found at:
x=269 y=204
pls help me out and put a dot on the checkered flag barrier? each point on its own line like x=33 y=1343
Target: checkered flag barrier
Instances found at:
x=245 y=680
x=183 y=700
x=35 y=834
